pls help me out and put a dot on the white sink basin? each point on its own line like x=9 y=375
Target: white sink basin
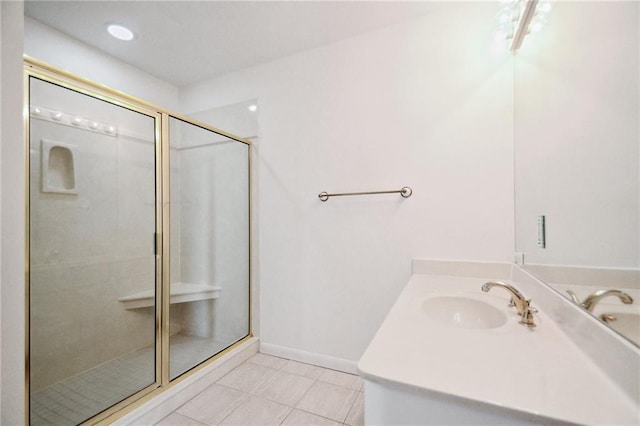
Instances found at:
x=463 y=312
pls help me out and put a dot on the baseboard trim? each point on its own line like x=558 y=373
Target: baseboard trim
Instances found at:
x=320 y=360
x=164 y=404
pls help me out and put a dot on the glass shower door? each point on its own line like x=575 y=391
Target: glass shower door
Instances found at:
x=209 y=240
x=92 y=281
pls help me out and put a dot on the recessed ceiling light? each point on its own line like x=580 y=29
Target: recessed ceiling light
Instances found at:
x=120 y=32
x=253 y=108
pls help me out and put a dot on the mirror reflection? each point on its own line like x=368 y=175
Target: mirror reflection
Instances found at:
x=576 y=124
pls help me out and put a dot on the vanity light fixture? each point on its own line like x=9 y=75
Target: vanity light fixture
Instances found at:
x=120 y=32
x=517 y=18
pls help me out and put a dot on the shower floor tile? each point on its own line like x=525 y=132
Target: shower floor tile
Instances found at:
x=267 y=390
x=75 y=399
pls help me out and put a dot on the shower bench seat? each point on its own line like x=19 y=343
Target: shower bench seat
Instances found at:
x=180 y=293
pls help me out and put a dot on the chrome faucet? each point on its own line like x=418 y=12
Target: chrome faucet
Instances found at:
x=591 y=300
x=522 y=305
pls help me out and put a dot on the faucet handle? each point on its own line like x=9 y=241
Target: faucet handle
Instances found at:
x=527 y=317
x=608 y=318
x=531 y=308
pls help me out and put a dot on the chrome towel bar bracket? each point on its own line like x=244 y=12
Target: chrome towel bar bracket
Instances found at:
x=405 y=192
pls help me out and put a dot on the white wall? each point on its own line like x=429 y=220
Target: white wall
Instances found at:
x=422 y=104
x=12 y=225
x=577 y=120
x=46 y=44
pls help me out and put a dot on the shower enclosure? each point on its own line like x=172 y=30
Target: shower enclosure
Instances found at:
x=138 y=247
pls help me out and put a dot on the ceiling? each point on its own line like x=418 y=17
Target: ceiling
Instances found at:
x=184 y=42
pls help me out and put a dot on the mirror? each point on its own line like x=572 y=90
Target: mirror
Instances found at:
x=576 y=138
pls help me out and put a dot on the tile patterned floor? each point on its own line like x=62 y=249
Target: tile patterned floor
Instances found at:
x=73 y=400
x=267 y=390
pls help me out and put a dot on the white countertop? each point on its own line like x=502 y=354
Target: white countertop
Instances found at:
x=537 y=371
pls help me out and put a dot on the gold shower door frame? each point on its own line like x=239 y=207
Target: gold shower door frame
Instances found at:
x=51 y=74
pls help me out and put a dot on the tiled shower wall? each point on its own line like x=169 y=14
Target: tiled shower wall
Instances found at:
x=91 y=248
x=213 y=219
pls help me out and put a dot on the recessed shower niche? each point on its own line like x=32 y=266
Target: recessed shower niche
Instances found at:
x=58 y=170
x=138 y=247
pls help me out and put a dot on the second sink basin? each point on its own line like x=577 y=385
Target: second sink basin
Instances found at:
x=463 y=312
